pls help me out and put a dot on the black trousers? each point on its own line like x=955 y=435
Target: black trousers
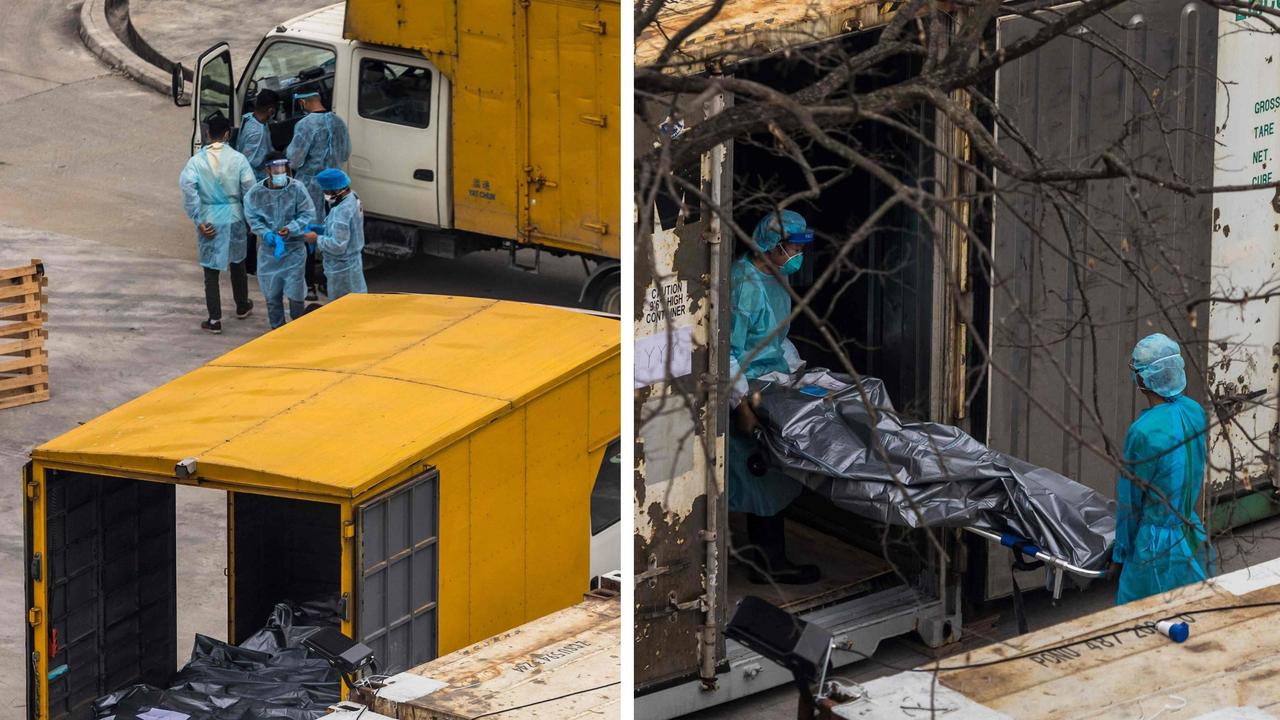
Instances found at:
x=213 y=294
x=311 y=270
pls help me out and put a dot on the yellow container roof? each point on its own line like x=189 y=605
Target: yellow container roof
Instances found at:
x=347 y=396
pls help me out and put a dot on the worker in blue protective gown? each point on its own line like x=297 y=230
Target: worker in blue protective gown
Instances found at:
x=758 y=345
x=342 y=241
x=279 y=210
x=1161 y=544
x=320 y=140
x=254 y=140
x=213 y=184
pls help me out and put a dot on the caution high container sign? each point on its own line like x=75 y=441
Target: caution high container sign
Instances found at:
x=429 y=460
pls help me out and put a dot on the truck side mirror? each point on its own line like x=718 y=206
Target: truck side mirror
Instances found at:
x=177 y=87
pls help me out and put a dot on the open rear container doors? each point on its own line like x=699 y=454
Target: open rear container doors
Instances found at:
x=1060 y=329
x=102 y=587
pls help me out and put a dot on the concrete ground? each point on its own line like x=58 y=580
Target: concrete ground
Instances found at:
x=166 y=25
x=1243 y=547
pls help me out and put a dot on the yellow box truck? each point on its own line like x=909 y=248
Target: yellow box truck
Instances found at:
x=430 y=461
x=484 y=124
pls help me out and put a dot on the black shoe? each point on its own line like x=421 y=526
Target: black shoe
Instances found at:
x=212 y=326
x=311 y=293
x=246 y=311
x=787 y=573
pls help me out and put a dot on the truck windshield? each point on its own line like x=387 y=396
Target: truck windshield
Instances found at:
x=292 y=67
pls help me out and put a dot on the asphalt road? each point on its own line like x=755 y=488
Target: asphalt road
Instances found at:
x=89 y=163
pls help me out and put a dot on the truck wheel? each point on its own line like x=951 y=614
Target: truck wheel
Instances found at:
x=608 y=296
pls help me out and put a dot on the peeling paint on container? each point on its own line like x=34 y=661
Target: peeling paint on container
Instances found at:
x=679 y=442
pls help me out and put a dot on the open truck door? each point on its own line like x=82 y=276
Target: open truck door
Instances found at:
x=101 y=611
x=214 y=92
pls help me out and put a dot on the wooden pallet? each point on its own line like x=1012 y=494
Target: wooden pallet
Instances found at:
x=24 y=364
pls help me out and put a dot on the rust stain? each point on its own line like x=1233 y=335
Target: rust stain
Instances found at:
x=746 y=27
x=1210 y=645
x=1264 y=675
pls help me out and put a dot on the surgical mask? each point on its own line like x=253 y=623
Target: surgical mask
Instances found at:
x=330 y=198
x=279 y=180
x=792 y=264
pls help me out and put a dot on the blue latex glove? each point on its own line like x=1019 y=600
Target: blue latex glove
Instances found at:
x=317 y=229
x=278 y=242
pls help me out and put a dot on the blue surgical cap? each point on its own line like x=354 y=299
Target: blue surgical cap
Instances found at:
x=767 y=234
x=1158 y=360
x=305 y=95
x=332 y=179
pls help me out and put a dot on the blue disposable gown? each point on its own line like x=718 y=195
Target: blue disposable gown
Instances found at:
x=320 y=140
x=216 y=198
x=268 y=210
x=1159 y=537
x=760 y=305
x=254 y=142
x=342 y=244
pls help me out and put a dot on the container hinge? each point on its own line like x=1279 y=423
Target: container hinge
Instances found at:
x=699 y=603
x=654 y=571
x=34 y=617
x=33 y=491
x=597 y=120
x=348 y=530
x=598 y=27
x=37 y=562
x=602 y=228
x=344 y=607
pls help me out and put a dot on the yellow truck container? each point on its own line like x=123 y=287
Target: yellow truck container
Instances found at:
x=428 y=459
x=565 y=665
x=536 y=98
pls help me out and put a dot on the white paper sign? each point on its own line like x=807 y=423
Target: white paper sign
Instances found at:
x=663 y=356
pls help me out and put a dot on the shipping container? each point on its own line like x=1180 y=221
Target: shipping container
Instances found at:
x=429 y=461
x=925 y=308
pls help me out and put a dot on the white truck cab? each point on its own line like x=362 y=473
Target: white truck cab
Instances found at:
x=391 y=100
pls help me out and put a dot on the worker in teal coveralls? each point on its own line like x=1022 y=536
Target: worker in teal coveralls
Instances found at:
x=1161 y=543
x=758 y=345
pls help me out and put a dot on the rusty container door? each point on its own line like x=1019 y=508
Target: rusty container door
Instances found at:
x=681 y=361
